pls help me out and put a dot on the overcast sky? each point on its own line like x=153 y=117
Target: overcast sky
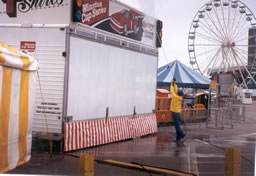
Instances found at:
x=177 y=16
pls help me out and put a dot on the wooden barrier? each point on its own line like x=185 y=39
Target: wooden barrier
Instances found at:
x=86 y=164
x=232 y=162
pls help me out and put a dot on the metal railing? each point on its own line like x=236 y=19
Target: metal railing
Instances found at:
x=194 y=116
x=219 y=118
x=215 y=117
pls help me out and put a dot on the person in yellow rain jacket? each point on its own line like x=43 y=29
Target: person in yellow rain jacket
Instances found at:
x=177 y=95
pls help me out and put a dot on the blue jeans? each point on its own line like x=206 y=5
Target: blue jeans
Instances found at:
x=176 y=120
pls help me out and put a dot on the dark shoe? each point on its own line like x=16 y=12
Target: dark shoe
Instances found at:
x=178 y=143
x=183 y=139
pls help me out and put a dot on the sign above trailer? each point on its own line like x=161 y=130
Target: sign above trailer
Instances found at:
x=34 y=11
x=108 y=15
x=116 y=18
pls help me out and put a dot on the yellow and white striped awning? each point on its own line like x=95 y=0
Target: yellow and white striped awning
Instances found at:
x=17 y=92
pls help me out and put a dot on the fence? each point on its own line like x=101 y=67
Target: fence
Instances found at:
x=194 y=116
x=221 y=112
x=217 y=117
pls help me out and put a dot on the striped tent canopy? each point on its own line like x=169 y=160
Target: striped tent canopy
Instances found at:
x=17 y=92
x=13 y=58
x=185 y=76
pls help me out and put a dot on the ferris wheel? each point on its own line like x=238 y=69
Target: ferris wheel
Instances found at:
x=219 y=40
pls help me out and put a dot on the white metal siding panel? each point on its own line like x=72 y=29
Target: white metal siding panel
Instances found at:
x=50 y=43
x=102 y=76
x=48 y=108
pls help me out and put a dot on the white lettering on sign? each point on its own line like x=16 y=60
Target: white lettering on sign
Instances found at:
x=26 y=5
x=88 y=7
x=26 y=45
x=92 y=10
x=148 y=34
x=148 y=26
x=148 y=30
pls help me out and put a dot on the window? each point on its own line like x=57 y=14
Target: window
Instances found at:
x=247 y=95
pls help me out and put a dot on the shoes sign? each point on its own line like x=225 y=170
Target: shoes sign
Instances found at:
x=26 y=5
x=35 y=11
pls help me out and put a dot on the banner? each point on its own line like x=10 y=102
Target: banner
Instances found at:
x=116 y=18
x=34 y=11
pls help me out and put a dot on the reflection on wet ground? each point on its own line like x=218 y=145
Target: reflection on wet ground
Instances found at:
x=202 y=153
x=210 y=158
x=198 y=155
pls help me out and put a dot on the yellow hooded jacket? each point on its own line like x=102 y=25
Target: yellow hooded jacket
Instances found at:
x=176 y=100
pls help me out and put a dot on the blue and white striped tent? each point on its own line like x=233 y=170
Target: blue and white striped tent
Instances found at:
x=185 y=76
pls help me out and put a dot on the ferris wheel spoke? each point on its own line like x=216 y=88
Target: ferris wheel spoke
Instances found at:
x=239 y=68
x=246 y=46
x=241 y=31
x=241 y=37
x=235 y=64
x=221 y=36
x=241 y=50
x=229 y=61
x=249 y=66
x=215 y=62
x=206 y=45
x=219 y=22
x=248 y=72
x=226 y=63
x=221 y=63
x=245 y=39
x=223 y=15
x=221 y=26
x=212 y=59
x=207 y=58
x=229 y=11
x=212 y=31
x=206 y=55
x=240 y=25
x=207 y=38
x=241 y=40
x=234 y=29
x=241 y=56
x=207 y=52
x=232 y=24
x=242 y=59
x=209 y=29
x=232 y=65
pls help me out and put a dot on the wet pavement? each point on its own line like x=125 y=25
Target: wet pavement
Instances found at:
x=202 y=153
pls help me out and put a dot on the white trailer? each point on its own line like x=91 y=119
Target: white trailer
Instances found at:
x=94 y=87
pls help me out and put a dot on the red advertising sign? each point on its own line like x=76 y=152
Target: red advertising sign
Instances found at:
x=27 y=45
x=115 y=17
x=94 y=10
